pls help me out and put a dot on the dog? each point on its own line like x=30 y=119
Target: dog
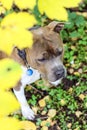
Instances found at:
x=44 y=59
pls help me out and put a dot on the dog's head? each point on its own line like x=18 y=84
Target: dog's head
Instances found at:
x=47 y=52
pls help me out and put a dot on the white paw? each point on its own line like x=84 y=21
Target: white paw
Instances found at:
x=28 y=113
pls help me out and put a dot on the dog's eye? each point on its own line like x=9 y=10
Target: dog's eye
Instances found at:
x=42 y=59
x=58 y=52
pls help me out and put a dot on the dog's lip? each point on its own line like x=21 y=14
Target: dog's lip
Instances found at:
x=55 y=80
x=61 y=77
x=55 y=83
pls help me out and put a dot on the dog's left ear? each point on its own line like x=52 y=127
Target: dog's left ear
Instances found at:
x=56 y=26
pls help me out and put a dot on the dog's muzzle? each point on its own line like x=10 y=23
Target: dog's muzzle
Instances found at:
x=59 y=73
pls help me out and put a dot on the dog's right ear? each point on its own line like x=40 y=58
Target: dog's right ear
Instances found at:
x=56 y=26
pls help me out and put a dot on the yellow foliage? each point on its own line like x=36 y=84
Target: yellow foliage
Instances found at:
x=22 y=4
x=9 y=124
x=42 y=103
x=7 y=3
x=52 y=113
x=14 y=37
x=44 y=128
x=10 y=73
x=28 y=125
x=8 y=103
x=13 y=31
x=2 y=10
x=82 y=96
x=21 y=19
x=55 y=9
x=68 y=3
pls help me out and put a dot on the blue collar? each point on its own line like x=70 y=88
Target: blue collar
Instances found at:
x=22 y=55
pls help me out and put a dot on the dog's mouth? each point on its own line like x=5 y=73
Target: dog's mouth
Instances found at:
x=56 y=79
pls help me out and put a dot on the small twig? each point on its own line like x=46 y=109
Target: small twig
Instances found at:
x=42 y=118
x=64 y=22
x=37 y=90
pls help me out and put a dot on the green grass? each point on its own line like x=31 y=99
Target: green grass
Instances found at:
x=74 y=36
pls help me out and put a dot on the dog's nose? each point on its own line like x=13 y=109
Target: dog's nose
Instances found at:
x=59 y=73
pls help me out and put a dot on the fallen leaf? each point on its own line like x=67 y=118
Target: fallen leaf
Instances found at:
x=77 y=73
x=46 y=122
x=63 y=102
x=35 y=109
x=43 y=123
x=78 y=113
x=70 y=90
x=52 y=113
x=69 y=125
x=46 y=98
x=71 y=70
x=53 y=123
x=77 y=128
x=82 y=96
x=80 y=70
x=43 y=112
x=44 y=128
x=42 y=103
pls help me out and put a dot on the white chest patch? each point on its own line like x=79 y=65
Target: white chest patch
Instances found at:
x=26 y=79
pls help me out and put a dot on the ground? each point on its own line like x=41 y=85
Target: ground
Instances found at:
x=64 y=107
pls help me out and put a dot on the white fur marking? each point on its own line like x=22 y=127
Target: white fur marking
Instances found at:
x=26 y=79
x=26 y=110
x=56 y=82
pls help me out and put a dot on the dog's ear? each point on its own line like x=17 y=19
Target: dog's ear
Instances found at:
x=56 y=26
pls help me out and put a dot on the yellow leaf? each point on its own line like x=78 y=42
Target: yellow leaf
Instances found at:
x=8 y=103
x=13 y=31
x=28 y=125
x=44 y=128
x=52 y=113
x=43 y=113
x=77 y=73
x=24 y=4
x=78 y=113
x=47 y=98
x=42 y=103
x=5 y=41
x=35 y=109
x=82 y=96
x=7 y=3
x=69 y=125
x=10 y=73
x=9 y=124
x=63 y=102
x=18 y=37
x=24 y=39
x=43 y=123
x=21 y=19
x=55 y=9
x=68 y=3
x=2 y=10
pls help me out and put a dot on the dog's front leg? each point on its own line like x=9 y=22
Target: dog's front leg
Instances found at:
x=26 y=110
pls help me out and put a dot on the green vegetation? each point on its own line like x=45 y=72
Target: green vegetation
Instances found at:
x=69 y=99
